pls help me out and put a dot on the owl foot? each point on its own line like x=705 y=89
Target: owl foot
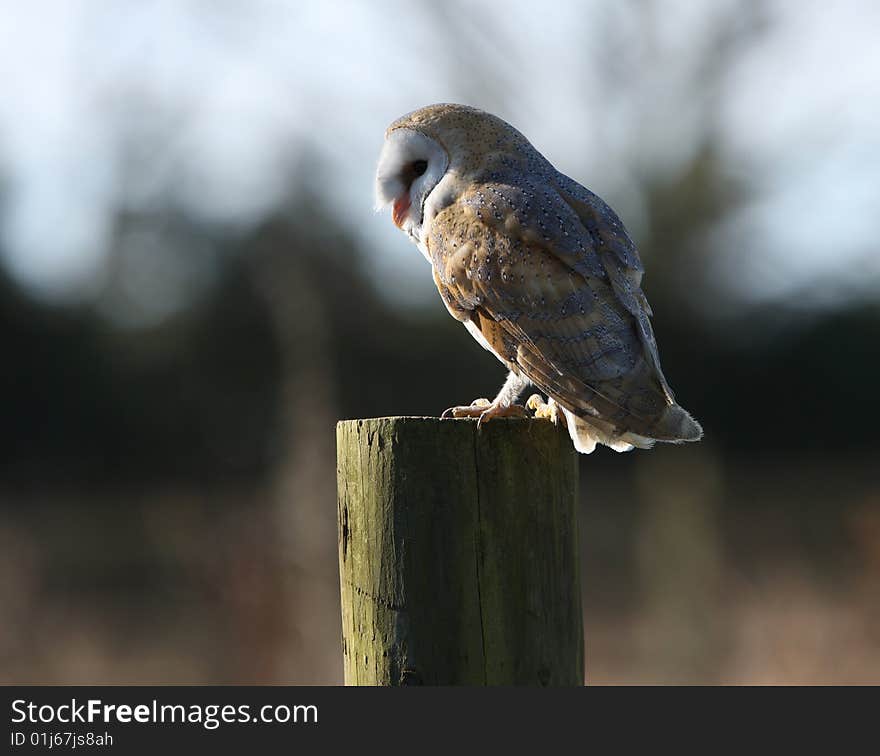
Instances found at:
x=548 y=410
x=485 y=411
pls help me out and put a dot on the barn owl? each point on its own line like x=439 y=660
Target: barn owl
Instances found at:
x=539 y=270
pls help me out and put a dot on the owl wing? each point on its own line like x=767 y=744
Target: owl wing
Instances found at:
x=549 y=276
x=620 y=260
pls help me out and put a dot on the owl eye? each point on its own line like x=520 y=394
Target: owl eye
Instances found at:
x=419 y=167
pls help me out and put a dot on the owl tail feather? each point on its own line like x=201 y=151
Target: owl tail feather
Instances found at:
x=676 y=426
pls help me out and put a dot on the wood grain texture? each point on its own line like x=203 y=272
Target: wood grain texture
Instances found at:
x=458 y=553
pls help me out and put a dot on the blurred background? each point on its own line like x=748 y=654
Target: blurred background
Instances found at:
x=194 y=288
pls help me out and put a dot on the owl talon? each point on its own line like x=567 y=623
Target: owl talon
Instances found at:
x=500 y=410
x=484 y=411
x=474 y=409
x=548 y=410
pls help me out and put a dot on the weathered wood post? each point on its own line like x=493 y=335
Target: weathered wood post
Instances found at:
x=458 y=553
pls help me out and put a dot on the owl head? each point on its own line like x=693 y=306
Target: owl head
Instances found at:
x=442 y=147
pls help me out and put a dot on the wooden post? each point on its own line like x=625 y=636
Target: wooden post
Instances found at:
x=458 y=553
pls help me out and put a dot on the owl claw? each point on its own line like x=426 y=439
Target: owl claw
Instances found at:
x=474 y=409
x=500 y=410
x=548 y=410
x=484 y=411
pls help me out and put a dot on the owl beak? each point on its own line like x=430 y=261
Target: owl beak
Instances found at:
x=401 y=206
